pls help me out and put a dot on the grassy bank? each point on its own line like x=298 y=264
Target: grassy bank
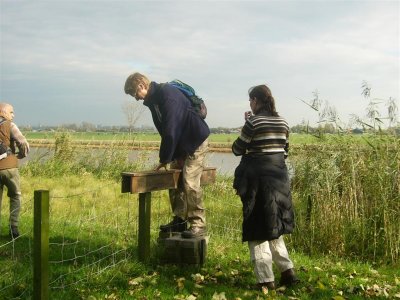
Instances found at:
x=151 y=141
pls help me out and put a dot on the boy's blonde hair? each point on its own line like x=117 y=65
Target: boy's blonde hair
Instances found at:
x=132 y=82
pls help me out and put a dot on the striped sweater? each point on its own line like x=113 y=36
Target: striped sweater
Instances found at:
x=263 y=134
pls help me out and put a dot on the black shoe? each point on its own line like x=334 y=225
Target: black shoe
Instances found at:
x=289 y=278
x=176 y=225
x=14 y=233
x=194 y=232
x=264 y=287
x=267 y=285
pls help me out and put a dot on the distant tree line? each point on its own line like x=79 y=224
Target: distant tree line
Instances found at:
x=329 y=121
x=87 y=127
x=305 y=128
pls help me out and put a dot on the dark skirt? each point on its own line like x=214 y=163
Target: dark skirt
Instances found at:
x=262 y=182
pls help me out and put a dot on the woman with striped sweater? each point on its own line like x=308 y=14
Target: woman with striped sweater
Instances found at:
x=262 y=182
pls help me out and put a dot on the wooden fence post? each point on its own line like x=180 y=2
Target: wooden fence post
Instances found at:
x=144 y=226
x=41 y=245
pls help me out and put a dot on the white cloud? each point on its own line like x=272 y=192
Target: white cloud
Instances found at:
x=61 y=52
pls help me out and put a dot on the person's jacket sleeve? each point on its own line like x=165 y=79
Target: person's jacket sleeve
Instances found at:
x=20 y=140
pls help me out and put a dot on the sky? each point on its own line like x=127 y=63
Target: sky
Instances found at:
x=64 y=62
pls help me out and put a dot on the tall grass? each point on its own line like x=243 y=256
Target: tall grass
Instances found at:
x=347 y=198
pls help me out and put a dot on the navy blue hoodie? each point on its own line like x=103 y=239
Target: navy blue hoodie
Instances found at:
x=182 y=130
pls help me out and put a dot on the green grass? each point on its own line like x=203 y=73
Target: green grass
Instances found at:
x=93 y=252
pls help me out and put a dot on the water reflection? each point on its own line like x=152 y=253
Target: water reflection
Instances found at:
x=224 y=162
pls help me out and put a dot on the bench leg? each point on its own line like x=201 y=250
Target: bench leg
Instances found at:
x=144 y=226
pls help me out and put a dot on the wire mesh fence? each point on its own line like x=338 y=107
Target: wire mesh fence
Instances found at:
x=94 y=233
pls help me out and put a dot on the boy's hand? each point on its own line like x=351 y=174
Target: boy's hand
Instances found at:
x=161 y=165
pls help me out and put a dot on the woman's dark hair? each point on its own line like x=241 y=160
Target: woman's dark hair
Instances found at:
x=265 y=101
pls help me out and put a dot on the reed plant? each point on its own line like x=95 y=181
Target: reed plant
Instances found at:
x=347 y=198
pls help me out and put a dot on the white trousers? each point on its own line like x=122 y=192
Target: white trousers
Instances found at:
x=263 y=253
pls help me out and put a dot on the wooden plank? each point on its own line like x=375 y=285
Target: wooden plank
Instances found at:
x=208 y=176
x=148 y=181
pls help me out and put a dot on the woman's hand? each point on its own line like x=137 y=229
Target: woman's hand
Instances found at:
x=247 y=115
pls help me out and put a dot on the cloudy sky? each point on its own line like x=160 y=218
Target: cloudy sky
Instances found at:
x=67 y=61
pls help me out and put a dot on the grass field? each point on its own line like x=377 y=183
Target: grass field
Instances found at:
x=345 y=246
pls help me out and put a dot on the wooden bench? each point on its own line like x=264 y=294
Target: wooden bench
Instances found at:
x=146 y=182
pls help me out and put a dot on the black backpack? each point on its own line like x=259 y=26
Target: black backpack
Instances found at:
x=197 y=103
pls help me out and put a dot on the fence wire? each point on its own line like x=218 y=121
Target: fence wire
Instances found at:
x=93 y=232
